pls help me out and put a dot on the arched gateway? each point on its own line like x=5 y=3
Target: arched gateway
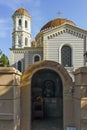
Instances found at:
x=45 y=97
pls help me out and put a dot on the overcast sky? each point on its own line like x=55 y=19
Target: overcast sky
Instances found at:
x=41 y=12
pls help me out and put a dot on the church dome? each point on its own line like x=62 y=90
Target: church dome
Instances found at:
x=57 y=22
x=33 y=43
x=21 y=11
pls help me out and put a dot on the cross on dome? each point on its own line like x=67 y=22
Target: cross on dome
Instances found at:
x=22 y=5
x=59 y=14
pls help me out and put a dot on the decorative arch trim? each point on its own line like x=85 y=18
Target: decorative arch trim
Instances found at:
x=43 y=65
x=26 y=87
x=35 y=56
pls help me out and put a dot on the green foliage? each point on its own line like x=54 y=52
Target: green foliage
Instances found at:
x=3 y=60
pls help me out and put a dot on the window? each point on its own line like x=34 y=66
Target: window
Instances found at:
x=26 y=41
x=19 y=66
x=36 y=58
x=25 y=24
x=66 y=56
x=48 y=37
x=19 y=41
x=19 y=22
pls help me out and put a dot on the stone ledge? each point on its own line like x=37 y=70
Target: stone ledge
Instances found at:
x=6 y=116
x=9 y=70
x=81 y=70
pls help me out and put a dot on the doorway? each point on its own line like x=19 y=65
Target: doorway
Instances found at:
x=46 y=100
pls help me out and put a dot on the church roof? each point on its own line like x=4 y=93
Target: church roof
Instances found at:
x=21 y=11
x=57 y=22
x=33 y=43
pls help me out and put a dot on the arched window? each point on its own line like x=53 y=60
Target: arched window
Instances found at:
x=25 y=24
x=26 y=41
x=20 y=66
x=36 y=58
x=19 y=22
x=19 y=41
x=66 y=56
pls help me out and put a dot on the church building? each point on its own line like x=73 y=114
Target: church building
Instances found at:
x=46 y=87
x=59 y=40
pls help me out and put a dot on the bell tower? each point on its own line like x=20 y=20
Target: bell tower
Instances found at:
x=21 y=36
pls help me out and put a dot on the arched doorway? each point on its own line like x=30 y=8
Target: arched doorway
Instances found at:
x=46 y=100
x=47 y=73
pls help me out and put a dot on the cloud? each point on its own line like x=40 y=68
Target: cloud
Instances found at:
x=14 y=4
x=3 y=21
x=9 y=3
x=5 y=28
x=37 y=3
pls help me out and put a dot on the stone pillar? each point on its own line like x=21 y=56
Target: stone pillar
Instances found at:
x=80 y=98
x=9 y=98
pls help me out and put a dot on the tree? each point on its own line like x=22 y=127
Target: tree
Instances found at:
x=3 y=59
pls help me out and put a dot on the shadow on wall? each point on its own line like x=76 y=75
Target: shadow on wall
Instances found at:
x=19 y=65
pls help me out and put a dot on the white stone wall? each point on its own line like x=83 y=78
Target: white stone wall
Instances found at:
x=17 y=55
x=25 y=56
x=52 y=48
x=29 y=56
x=11 y=58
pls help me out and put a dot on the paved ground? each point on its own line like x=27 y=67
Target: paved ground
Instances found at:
x=47 y=124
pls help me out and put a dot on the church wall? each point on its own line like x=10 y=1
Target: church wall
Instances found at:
x=52 y=48
x=26 y=56
x=28 y=36
x=29 y=55
x=9 y=98
x=17 y=55
x=29 y=23
x=11 y=58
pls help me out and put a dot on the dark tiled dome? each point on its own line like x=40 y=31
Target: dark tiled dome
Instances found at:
x=21 y=11
x=56 y=22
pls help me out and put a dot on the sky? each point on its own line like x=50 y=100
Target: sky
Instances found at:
x=41 y=12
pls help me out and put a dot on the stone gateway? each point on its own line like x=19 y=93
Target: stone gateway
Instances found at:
x=44 y=97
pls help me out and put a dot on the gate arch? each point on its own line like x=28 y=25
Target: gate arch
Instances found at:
x=46 y=100
x=26 y=88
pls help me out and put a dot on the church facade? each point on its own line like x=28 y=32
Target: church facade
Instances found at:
x=51 y=93
x=59 y=40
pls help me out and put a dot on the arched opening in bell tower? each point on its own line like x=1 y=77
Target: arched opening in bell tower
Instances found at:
x=46 y=100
